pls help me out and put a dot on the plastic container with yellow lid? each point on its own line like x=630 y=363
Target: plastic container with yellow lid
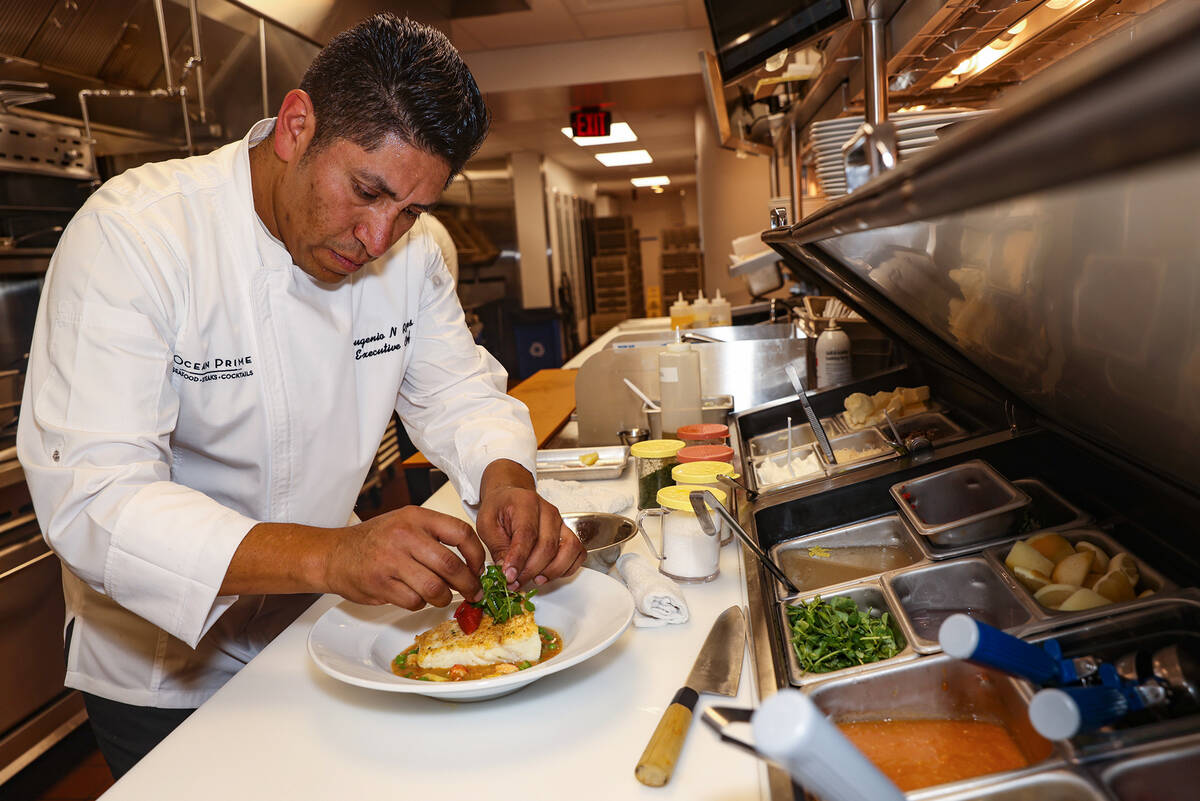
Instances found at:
x=706 y=474
x=653 y=460
x=687 y=553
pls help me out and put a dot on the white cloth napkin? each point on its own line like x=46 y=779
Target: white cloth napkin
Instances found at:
x=576 y=496
x=658 y=600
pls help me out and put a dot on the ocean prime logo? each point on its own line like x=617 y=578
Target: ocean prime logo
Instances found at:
x=220 y=368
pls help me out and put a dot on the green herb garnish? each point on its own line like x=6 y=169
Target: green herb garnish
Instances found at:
x=834 y=634
x=498 y=601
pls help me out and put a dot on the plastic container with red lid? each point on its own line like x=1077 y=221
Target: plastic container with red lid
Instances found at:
x=705 y=453
x=703 y=434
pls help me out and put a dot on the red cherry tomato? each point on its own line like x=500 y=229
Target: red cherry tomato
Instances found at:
x=468 y=617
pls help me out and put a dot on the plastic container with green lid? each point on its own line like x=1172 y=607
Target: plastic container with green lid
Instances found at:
x=706 y=474
x=704 y=433
x=705 y=453
x=653 y=460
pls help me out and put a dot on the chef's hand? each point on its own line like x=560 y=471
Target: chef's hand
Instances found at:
x=402 y=558
x=525 y=534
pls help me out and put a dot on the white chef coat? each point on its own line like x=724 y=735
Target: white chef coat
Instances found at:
x=186 y=381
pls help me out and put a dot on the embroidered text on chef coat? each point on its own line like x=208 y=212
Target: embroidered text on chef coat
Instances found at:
x=380 y=342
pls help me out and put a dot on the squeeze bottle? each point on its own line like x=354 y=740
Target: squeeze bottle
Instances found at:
x=681 y=314
x=701 y=311
x=679 y=386
x=720 y=312
x=833 y=356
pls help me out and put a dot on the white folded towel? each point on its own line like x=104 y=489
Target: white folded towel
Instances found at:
x=658 y=600
x=577 y=496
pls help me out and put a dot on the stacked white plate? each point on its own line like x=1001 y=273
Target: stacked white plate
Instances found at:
x=915 y=131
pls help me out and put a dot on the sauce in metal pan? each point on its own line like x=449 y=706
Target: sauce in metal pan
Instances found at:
x=922 y=753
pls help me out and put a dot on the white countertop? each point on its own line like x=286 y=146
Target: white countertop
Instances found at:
x=283 y=730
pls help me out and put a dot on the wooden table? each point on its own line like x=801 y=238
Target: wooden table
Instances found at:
x=550 y=396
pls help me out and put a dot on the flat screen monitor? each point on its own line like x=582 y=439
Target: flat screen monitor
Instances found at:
x=748 y=32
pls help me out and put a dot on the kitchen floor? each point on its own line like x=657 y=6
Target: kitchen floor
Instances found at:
x=73 y=770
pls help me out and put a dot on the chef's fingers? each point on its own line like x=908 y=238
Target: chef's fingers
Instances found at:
x=547 y=545
x=415 y=578
x=567 y=560
x=521 y=518
x=458 y=533
x=444 y=566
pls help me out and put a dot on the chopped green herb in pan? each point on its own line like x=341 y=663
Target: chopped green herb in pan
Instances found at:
x=834 y=634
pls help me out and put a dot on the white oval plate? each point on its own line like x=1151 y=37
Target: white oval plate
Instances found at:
x=356 y=644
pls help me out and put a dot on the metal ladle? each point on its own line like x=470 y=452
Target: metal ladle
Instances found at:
x=699 y=498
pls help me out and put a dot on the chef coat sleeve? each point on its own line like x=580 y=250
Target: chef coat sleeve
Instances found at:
x=452 y=399
x=95 y=427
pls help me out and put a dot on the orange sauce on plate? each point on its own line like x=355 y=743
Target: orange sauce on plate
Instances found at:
x=922 y=753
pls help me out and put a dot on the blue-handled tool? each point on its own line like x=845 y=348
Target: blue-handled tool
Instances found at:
x=1059 y=713
x=963 y=637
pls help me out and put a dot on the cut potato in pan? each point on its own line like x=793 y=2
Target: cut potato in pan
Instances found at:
x=1070 y=577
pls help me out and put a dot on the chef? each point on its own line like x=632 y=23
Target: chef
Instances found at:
x=220 y=344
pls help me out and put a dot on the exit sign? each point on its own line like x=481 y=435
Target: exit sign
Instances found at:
x=591 y=122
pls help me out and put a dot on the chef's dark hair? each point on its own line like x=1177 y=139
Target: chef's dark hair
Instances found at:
x=388 y=75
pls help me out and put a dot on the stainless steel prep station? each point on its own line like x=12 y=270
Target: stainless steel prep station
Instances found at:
x=1080 y=407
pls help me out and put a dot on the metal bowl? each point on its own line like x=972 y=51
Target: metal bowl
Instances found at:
x=603 y=535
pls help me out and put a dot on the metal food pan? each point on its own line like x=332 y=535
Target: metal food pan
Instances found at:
x=1045 y=505
x=930 y=405
x=866 y=439
x=929 y=594
x=866 y=595
x=873 y=536
x=940 y=687
x=801 y=452
x=563 y=463
x=774 y=442
x=945 y=430
x=1046 y=784
x=1168 y=773
x=1149 y=579
x=959 y=505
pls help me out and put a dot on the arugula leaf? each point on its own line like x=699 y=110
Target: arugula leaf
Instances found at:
x=498 y=601
x=835 y=634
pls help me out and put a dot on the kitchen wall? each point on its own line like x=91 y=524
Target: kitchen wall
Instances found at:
x=734 y=193
x=651 y=213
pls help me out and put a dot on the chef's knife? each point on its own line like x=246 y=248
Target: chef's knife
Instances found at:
x=718 y=669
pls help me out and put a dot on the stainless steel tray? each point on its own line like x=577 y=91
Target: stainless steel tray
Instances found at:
x=563 y=463
x=1166 y=773
x=928 y=594
x=946 y=429
x=871 y=537
x=863 y=440
x=931 y=405
x=802 y=434
x=1149 y=578
x=959 y=505
x=865 y=595
x=1044 y=505
x=753 y=479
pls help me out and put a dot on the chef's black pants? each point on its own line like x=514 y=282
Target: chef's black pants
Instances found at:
x=126 y=733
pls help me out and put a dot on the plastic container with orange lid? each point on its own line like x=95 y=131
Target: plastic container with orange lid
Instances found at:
x=705 y=453
x=703 y=434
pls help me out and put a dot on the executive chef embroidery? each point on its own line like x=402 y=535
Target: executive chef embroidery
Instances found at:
x=220 y=368
x=365 y=347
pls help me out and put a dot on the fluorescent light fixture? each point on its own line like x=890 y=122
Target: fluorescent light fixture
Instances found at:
x=658 y=190
x=624 y=158
x=653 y=180
x=618 y=132
x=1028 y=28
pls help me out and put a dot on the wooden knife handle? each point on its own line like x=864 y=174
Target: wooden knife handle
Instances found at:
x=658 y=760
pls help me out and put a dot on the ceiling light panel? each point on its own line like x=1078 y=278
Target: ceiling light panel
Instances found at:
x=618 y=132
x=624 y=158
x=654 y=180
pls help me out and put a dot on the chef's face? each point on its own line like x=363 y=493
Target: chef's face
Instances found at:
x=342 y=206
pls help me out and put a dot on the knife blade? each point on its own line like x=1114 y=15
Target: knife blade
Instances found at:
x=717 y=669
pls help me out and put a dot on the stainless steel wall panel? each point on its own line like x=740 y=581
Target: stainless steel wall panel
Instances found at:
x=78 y=35
x=20 y=21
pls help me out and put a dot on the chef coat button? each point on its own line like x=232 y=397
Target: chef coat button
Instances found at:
x=55 y=456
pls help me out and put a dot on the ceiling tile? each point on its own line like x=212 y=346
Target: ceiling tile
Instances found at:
x=632 y=21
x=696 y=15
x=546 y=21
x=462 y=38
